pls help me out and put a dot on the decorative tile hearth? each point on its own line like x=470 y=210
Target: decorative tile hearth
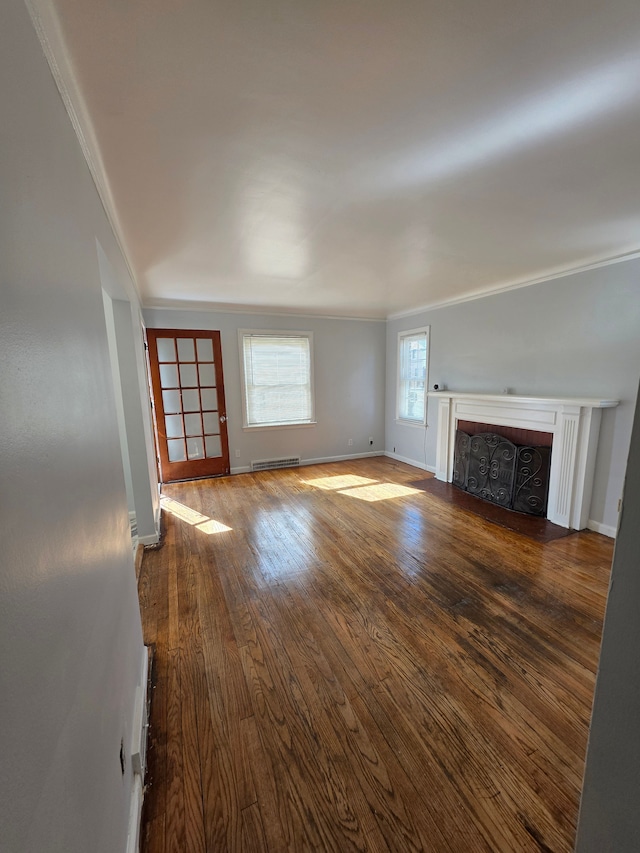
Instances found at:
x=573 y=422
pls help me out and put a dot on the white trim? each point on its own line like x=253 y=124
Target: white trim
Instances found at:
x=47 y=26
x=245 y=469
x=150 y=539
x=267 y=333
x=597 y=263
x=321 y=459
x=406 y=333
x=509 y=399
x=414 y=424
x=140 y=726
x=574 y=424
x=605 y=529
x=154 y=538
x=137 y=751
x=253 y=427
x=135 y=815
x=234 y=308
x=596 y=526
x=430 y=468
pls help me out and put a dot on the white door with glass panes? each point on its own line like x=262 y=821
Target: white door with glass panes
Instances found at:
x=188 y=392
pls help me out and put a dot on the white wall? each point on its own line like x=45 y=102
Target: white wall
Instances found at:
x=609 y=814
x=70 y=636
x=128 y=364
x=349 y=384
x=137 y=421
x=574 y=336
x=112 y=343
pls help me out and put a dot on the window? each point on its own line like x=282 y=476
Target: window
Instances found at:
x=277 y=370
x=413 y=366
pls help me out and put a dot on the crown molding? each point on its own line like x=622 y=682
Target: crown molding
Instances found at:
x=231 y=308
x=47 y=26
x=561 y=272
x=49 y=32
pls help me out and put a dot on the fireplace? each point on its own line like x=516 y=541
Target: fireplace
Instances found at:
x=492 y=467
x=572 y=423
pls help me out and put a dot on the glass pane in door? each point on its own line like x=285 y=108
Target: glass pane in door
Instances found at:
x=188 y=376
x=207 y=374
x=193 y=424
x=166 y=349
x=209 y=399
x=186 y=350
x=176 y=450
x=191 y=400
x=171 y=402
x=213 y=445
x=195 y=448
x=173 y=424
x=211 y=423
x=168 y=375
x=205 y=349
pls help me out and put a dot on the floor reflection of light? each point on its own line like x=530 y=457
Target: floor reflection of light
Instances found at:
x=380 y=492
x=287 y=541
x=191 y=516
x=341 y=481
x=212 y=526
x=184 y=513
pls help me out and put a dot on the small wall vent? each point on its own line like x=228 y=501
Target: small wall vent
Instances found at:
x=284 y=462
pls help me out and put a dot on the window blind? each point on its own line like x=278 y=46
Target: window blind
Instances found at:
x=277 y=375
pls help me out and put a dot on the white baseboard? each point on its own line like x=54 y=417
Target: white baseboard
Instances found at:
x=605 y=529
x=430 y=468
x=245 y=469
x=138 y=753
x=135 y=815
x=140 y=725
x=320 y=459
x=153 y=538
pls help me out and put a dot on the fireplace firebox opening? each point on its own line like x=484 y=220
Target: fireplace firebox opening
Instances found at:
x=504 y=465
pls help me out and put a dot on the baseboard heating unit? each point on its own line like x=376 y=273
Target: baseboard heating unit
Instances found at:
x=284 y=462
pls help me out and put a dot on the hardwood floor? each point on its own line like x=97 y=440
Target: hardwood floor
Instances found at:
x=353 y=665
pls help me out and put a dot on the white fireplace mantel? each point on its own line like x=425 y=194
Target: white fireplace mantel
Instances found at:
x=573 y=422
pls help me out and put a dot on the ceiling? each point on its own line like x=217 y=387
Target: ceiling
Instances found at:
x=356 y=158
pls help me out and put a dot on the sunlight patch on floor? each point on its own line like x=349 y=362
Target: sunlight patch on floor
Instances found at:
x=212 y=526
x=380 y=492
x=342 y=481
x=191 y=516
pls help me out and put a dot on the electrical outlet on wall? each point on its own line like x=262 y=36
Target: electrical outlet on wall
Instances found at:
x=237 y=454
x=350 y=442
x=370 y=440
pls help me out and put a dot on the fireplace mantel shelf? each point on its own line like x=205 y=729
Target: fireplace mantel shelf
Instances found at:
x=574 y=423
x=588 y=402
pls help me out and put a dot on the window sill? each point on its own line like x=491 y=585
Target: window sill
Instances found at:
x=278 y=426
x=414 y=424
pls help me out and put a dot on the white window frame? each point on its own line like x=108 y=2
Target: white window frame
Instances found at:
x=416 y=422
x=267 y=333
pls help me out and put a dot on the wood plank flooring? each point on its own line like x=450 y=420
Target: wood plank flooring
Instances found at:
x=356 y=665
